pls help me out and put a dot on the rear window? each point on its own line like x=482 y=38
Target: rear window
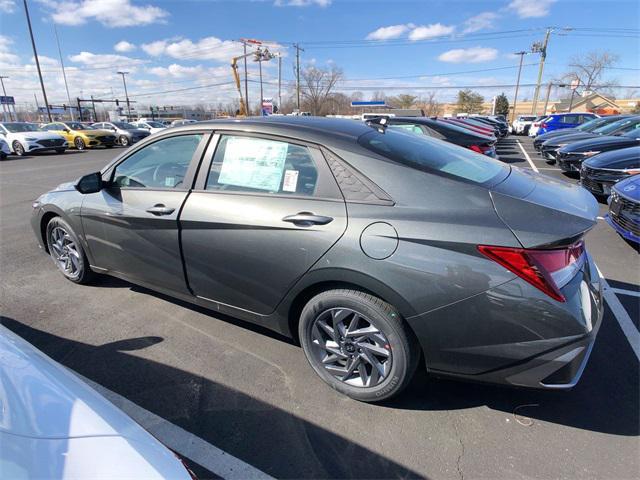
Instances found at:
x=434 y=156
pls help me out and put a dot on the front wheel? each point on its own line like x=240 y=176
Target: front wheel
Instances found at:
x=18 y=149
x=124 y=140
x=67 y=252
x=79 y=143
x=358 y=344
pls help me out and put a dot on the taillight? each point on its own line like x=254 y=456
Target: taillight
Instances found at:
x=547 y=270
x=543 y=125
x=475 y=148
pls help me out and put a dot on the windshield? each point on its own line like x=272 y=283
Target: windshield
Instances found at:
x=591 y=125
x=526 y=119
x=433 y=156
x=612 y=127
x=155 y=124
x=124 y=125
x=635 y=133
x=79 y=126
x=21 y=127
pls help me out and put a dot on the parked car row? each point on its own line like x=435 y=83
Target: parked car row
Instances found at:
x=606 y=153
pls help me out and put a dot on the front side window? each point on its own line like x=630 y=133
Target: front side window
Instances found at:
x=434 y=156
x=248 y=164
x=162 y=164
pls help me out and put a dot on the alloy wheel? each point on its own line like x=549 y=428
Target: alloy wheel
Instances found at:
x=124 y=141
x=18 y=148
x=79 y=143
x=348 y=346
x=65 y=252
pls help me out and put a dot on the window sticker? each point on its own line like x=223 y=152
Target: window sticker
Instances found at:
x=169 y=182
x=253 y=163
x=290 y=183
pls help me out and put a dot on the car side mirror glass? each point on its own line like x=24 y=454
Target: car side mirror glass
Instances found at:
x=91 y=183
x=66 y=130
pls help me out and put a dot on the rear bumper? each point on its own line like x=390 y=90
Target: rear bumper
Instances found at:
x=515 y=335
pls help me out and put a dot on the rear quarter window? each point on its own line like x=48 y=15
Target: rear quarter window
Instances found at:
x=434 y=156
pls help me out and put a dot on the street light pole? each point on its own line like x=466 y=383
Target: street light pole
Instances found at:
x=261 y=94
x=515 y=96
x=126 y=94
x=5 y=108
x=279 y=81
x=64 y=74
x=35 y=56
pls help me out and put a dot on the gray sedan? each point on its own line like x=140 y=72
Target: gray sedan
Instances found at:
x=376 y=249
x=126 y=133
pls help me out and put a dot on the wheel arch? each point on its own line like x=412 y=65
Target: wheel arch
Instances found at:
x=329 y=279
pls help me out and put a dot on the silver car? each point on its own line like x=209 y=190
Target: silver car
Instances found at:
x=126 y=133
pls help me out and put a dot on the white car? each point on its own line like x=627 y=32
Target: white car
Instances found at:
x=26 y=138
x=522 y=124
x=535 y=125
x=54 y=426
x=5 y=151
x=150 y=125
x=177 y=123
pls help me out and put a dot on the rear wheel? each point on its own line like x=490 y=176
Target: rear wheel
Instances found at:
x=358 y=344
x=79 y=143
x=66 y=251
x=18 y=149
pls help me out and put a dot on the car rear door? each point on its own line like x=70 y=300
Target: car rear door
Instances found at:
x=131 y=226
x=264 y=210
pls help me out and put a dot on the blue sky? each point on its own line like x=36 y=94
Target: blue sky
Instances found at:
x=395 y=46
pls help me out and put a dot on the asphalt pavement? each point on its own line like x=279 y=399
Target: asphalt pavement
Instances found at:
x=251 y=393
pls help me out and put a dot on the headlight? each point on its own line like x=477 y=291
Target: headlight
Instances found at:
x=590 y=153
x=632 y=171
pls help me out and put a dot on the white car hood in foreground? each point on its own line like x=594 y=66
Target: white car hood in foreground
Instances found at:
x=54 y=426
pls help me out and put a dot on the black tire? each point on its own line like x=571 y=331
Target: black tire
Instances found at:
x=84 y=275
x=124 y=141
x=18 y=149
x=60 y=150
x=3 y=156
x=79 y=143
x=401 y=343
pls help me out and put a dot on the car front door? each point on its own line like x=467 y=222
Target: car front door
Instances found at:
x=264 y=210
x=131 y=226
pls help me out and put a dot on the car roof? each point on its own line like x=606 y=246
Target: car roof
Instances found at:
x=315 y=129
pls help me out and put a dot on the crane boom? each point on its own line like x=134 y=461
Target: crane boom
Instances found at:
x=234 y=67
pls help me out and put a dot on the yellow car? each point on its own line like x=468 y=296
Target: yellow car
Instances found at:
x=82 y=136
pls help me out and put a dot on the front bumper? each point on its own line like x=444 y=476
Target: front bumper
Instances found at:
x=514 y=334
x=569 y=164
x=43 y=146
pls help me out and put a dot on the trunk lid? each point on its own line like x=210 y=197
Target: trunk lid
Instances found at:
x=541 y=211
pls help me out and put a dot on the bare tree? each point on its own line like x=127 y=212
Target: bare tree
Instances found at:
x=589 y=69
x=430 y=105
x=317 y=85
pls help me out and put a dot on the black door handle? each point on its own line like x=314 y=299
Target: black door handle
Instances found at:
x=306 y=219
x=160 y=209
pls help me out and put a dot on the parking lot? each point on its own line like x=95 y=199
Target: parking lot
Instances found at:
x=212 y=382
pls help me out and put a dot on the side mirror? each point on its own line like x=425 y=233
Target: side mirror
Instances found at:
x=91 y=183
x=66 y=130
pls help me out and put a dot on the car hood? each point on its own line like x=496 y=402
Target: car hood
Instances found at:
x=41 y=399
x=618 y=159
x=568 y=138
x=630 y=188
x=542 y=211
x=39 y=135
x=608 y=142
x=555 y=133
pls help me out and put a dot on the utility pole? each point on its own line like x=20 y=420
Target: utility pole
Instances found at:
x=297 y=47
x=64 y=74
x=546 y=100
x=35 y=97
x=5 y=108
x=93 y=106
x=515 y=96
x=35 y=55
x=124 y=82
x=246 y=82
x=261 y=94
x=542 y=49
x=279 y=81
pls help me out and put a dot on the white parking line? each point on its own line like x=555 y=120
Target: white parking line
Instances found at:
x=180 y=441
x=626 y=324
x=526 y=155
x=621 y=291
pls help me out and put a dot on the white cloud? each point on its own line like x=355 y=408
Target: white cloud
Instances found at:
x=176 y=71
x=7 y=57
x=7 y=6
x=98 y=60
x=301 y=3
x=434 y=30
x=111 y=13
x=123 y=46
x=482 y=21
x=531 y=9
x=469 y=55
x=390 y=32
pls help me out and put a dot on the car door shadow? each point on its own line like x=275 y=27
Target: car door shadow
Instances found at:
x=263 y=435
